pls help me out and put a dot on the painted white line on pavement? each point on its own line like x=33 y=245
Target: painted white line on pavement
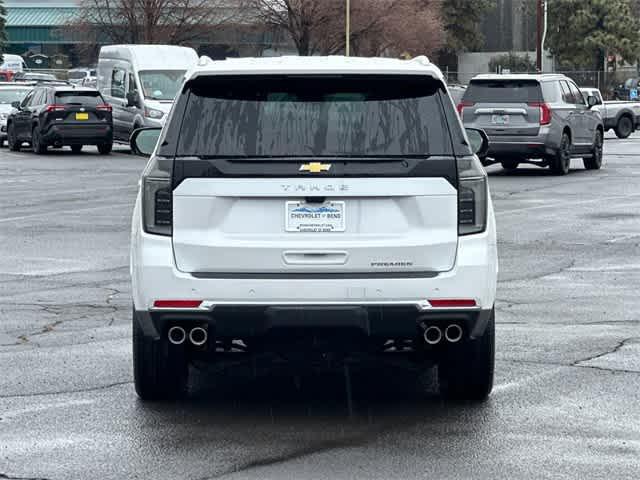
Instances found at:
x=569 y=203
x=71 y=210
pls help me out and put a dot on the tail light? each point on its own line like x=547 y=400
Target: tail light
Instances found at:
x=55 y=108
x=453 y=303
x=462 y=105
x=177 y=303
x=104 y=107
x=545 y=112
x=472 y=196
x=157 y=206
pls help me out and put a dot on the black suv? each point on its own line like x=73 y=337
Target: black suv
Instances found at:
x=55 y=115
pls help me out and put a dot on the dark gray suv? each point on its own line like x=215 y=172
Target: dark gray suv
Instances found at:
x=540 y=119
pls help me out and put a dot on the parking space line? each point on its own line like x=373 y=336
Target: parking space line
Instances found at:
x=71 y=210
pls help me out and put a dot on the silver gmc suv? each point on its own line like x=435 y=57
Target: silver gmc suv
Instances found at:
x=539 y=119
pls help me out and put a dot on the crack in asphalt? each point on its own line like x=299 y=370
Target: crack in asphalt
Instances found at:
x=320 y=447
x=63 y=392
x=616 y=348
x=538 y=276
x=578 y=363
x=4 y=476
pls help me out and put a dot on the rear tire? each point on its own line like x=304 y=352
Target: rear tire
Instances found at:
x=37 y=144
x=160 y=369
x=105 y=148
x=467 y=372
x=509 y=164
x=76 y=148
x=561 y=162
x=595 y=161
x=12 y=141
x=624 y=128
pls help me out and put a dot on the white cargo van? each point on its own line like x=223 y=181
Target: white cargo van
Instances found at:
x=140 y=82
x=15 y=63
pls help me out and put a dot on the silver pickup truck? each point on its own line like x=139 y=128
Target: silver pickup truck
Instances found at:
x=621 y=116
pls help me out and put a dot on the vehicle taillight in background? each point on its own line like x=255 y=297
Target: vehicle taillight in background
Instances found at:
x=157 y=206
x=103 y=107
x=462 y=105
x=55 y=108
x=545 y=112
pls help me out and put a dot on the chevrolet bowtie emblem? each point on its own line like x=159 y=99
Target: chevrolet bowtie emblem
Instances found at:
x=315 y=167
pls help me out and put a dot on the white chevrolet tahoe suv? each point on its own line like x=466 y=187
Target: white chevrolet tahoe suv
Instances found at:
x=313 y=205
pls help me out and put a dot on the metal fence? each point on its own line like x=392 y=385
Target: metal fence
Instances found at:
x=605 y=81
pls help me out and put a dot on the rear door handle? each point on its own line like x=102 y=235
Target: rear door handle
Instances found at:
x=314 y=257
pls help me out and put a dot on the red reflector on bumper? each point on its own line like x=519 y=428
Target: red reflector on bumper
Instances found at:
x=177 y=303
x=452 y=303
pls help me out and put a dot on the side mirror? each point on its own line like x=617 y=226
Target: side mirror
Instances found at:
x=478 y=141
x=16 y=105
x=143 y=140
x=132 y=99
x=592 y=101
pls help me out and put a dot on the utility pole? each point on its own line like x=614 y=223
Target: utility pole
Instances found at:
x=540 y=16
x=347 y=27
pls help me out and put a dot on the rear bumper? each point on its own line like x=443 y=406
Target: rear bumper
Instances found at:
x=248 y=322
x=240 y=306
x=523 y=150
x=535 y=146
x=92 y=134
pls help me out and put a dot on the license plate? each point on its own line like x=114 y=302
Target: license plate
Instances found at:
x=500 y=119
x=82 y=116
x=314 y=217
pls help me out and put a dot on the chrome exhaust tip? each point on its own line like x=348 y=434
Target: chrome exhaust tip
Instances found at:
x=432 y=335
x=198 y=336
x=453 y=333
x=177 y=335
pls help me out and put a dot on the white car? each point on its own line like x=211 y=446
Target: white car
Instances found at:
x=9 y=94
x=305 y=205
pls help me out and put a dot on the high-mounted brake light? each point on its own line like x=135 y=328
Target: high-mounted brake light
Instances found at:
x=55 y=108
x=461 y=106
x=104 y=107
x=453 y=303
x=177 y=303
x=545 y=112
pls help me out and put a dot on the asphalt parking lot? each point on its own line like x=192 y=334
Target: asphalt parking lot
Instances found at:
x=565 y=403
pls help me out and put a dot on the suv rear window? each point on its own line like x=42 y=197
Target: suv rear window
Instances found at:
x=90 y=99
x=503 y=91
x=290 y=116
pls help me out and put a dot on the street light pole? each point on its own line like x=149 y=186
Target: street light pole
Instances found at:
x=347 y=26
x=539 y=35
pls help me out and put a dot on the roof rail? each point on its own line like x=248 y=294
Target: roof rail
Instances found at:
x=204 y=60
x=421 y=59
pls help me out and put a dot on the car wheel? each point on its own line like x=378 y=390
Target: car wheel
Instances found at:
x=37 y=144
x=466 y=372
x=76 y=148
x=509 y=164
x=160 y=369
x=12 y=141
x=595 y=161
x=624 y=128
x=561 y=162
x=105 y=148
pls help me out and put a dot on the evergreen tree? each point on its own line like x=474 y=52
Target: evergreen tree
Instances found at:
x=3 y=32
x=462 y=23
x=581 y=34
